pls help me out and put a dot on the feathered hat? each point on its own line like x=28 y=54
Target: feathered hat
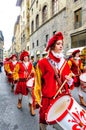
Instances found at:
x=23 y=54
x=56 y=37
x=76 y=51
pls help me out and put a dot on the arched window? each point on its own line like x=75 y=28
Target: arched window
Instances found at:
x=44 y=13
x=54 y=6
x=37 y=21
x=32 y=26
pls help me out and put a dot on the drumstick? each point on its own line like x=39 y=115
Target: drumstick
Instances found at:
x=61 y=86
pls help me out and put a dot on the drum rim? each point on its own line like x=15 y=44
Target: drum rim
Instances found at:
x=63 y=114
x=81 y=79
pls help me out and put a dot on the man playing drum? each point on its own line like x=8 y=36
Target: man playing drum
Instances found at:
x=77 y=69
x=51 y=72
x=22 y=73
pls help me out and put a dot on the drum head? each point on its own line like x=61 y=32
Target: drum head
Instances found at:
x=83 y=77
x=58 y=108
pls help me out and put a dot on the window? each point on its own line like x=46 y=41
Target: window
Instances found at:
x=54 y=32
x=44 y=13
x=32 y=26
x=47 y=38
x=33 y=45
x=78 y=40
x=78 y=18
x=32 y=11
x=28 y=48
x=36 y=3
x=37 y=43
x=54 y=6
x=23 y=14
x=37 y=21
x=75 y=0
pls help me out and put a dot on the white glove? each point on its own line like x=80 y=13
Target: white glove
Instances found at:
x=69 y=80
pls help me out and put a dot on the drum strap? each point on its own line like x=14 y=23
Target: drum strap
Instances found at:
x=56 y=71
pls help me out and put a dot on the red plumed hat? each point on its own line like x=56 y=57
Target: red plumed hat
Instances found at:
x=56 y=37
x=14 y=55
x=76 y=51
x=6 y=59
x=23 y=54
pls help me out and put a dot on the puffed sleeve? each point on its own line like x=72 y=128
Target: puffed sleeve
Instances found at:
x=15 y=72
x=37 y=87
x=69 y=63
x=7 y=68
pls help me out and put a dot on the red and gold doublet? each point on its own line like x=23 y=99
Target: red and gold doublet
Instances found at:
x=21 y=74
x=10 y=68
x=76 y=69
x=46 y=84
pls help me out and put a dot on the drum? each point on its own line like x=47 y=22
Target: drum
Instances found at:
x=83 y=81
x=30 y=83
x=66 y=114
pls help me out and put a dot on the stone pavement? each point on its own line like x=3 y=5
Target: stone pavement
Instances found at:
x=13 y=119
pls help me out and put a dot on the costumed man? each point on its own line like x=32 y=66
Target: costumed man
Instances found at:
x=6 y=68
x=5 y=65
x=10 y=68
x=77 y=68
x=51 y=72
x=23 y=73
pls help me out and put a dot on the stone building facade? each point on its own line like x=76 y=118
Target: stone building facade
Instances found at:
x=40 y=19
x=76 y=23
x=46 y=18
x=24 y=23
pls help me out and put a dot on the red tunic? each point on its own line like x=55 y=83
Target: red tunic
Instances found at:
x=49 y=85
x=76 y=68
x=10 y=69
x=22 y=73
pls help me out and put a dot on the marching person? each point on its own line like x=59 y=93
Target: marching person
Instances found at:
x=24 y=72
x=77 y=69
x=6 y=68
x=11 y=65
x=51 y=72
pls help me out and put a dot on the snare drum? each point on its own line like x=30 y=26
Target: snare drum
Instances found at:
x=30 y=83
x=83 y=81
x=66 y=114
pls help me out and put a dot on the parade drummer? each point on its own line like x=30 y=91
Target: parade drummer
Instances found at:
x=77 y=69
x=22 y=73
x=6 y=68
x=51 y=72
x=11 y=65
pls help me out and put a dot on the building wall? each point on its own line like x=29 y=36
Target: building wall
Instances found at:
x=62 y=21
x=53 y=24
x=71 y=31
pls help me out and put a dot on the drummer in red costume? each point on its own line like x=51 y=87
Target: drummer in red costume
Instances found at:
x=77 y=69
x=23 y=72
x=6 y=61
x=51 y=72
x=11 y=65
